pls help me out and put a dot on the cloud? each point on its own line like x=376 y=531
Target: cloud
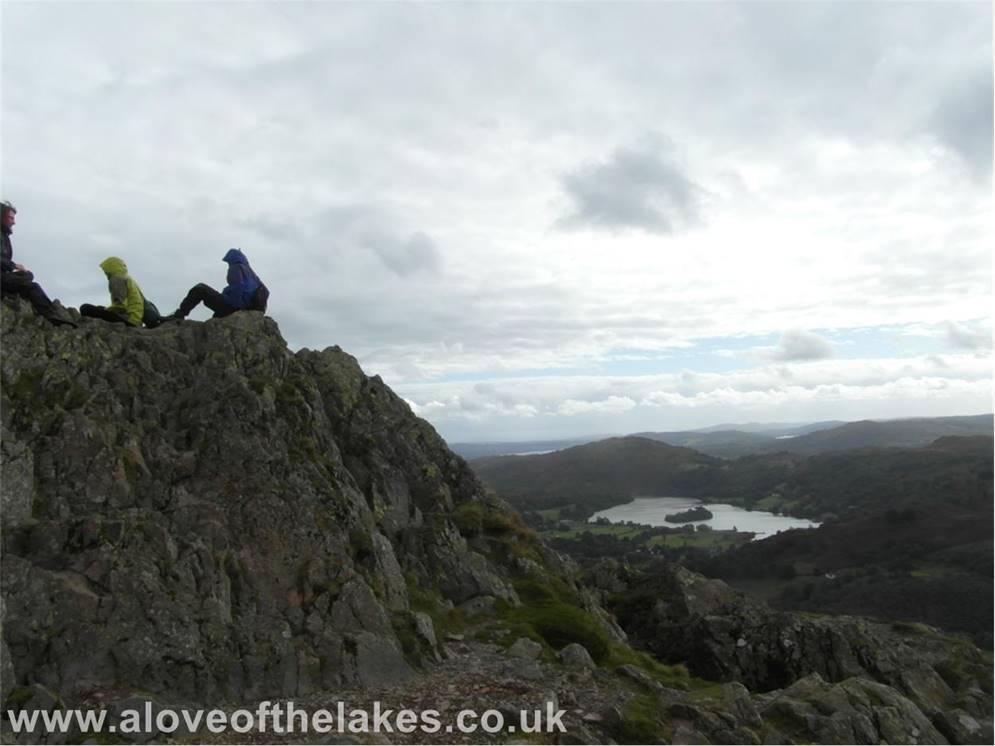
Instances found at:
x=801 y=345
x=639 y=187
x=406 y=255
x=963 y=120
x=964 y=337
x=378 y=231
x=612 y=404
x=403 y=210
x=851 y=388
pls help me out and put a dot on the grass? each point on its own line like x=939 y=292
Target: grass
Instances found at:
x=429 y=601
x=639 y=721
x=698 y=540
x=771 y=503
x=552 y=615
x=616 y=529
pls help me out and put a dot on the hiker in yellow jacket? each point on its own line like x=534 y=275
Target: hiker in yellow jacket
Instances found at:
x=127 y=302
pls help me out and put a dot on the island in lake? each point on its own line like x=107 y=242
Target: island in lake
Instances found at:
x=698 y=513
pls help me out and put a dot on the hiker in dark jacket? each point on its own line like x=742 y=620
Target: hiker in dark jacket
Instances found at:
x=127 y=301
x=15 y=279
x=244 y=291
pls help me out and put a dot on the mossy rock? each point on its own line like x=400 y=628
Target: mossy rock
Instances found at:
x=639 y=723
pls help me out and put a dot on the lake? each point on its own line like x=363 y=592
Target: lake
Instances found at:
x=651 y=511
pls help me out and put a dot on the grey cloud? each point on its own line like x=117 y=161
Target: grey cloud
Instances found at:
x=637 y=187
x=961 y=337
x=797 y=345
x=963 y=121
x=377 y=230
x=281 y=230
x=416 y=253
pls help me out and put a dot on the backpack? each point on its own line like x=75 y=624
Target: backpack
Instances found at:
x=151 y=317
x=259 y=299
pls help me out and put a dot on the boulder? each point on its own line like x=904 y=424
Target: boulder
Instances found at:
x=576 y=655
x=525 y=648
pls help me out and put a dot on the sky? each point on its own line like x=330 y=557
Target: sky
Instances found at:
x=537 y=220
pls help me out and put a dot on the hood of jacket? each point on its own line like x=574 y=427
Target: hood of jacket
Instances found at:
x=114 y=267
x=235 y=256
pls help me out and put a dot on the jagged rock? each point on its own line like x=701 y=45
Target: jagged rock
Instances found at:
x=198 y=512
x=16 y=480
x=6 y=665
x=607 y=574
x=722 y=635
x=576 y=655
x=525 y=648
x=686 y=735
x=852 y=711
x=477 y=606
x=389 y=572
x=36 y=697
x=377 y=659
x=639 y=676
x=959 y=727
x=425 y=629
x=737 y=698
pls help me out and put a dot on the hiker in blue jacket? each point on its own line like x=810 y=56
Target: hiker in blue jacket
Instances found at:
x=244 y=291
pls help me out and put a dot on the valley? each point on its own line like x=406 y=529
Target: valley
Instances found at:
x=898 y=534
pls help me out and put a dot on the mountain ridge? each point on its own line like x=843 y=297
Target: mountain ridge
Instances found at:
x=729 y=440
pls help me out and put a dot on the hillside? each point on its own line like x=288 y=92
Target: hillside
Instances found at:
x=719 y=443
x=471 y=451
x=911 y=433
x=729 y=442
x=598 y=474
x=197 y=516
x=838 y=483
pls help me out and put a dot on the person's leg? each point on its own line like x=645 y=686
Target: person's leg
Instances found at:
x=207 y=295
x=100 y=312
x=23 y=284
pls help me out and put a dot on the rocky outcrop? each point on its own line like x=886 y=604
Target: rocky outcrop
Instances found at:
x=835 y=667
x=196 y=510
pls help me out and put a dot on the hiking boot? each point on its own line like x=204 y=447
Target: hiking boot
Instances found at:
x=57 y=315
x=174 y=316
x=56 y=320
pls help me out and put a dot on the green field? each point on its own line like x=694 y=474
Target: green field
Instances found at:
x=699 y=540
x=615 y=529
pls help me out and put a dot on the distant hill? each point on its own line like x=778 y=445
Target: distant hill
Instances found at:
x=821 y=437
x=732 y=440
x=842 y=483
x=909 y=433
x=720 y=443
x=773 y=429
x=471 y=451
x=603 y=473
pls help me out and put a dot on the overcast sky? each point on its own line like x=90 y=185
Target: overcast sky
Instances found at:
x=538 y=220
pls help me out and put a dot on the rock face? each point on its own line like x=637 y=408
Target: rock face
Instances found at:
x=195 y=510
x=836 y=679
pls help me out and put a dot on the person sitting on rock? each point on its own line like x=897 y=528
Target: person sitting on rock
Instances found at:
x=127 y=302
x=16 y=280
x=244 y=291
